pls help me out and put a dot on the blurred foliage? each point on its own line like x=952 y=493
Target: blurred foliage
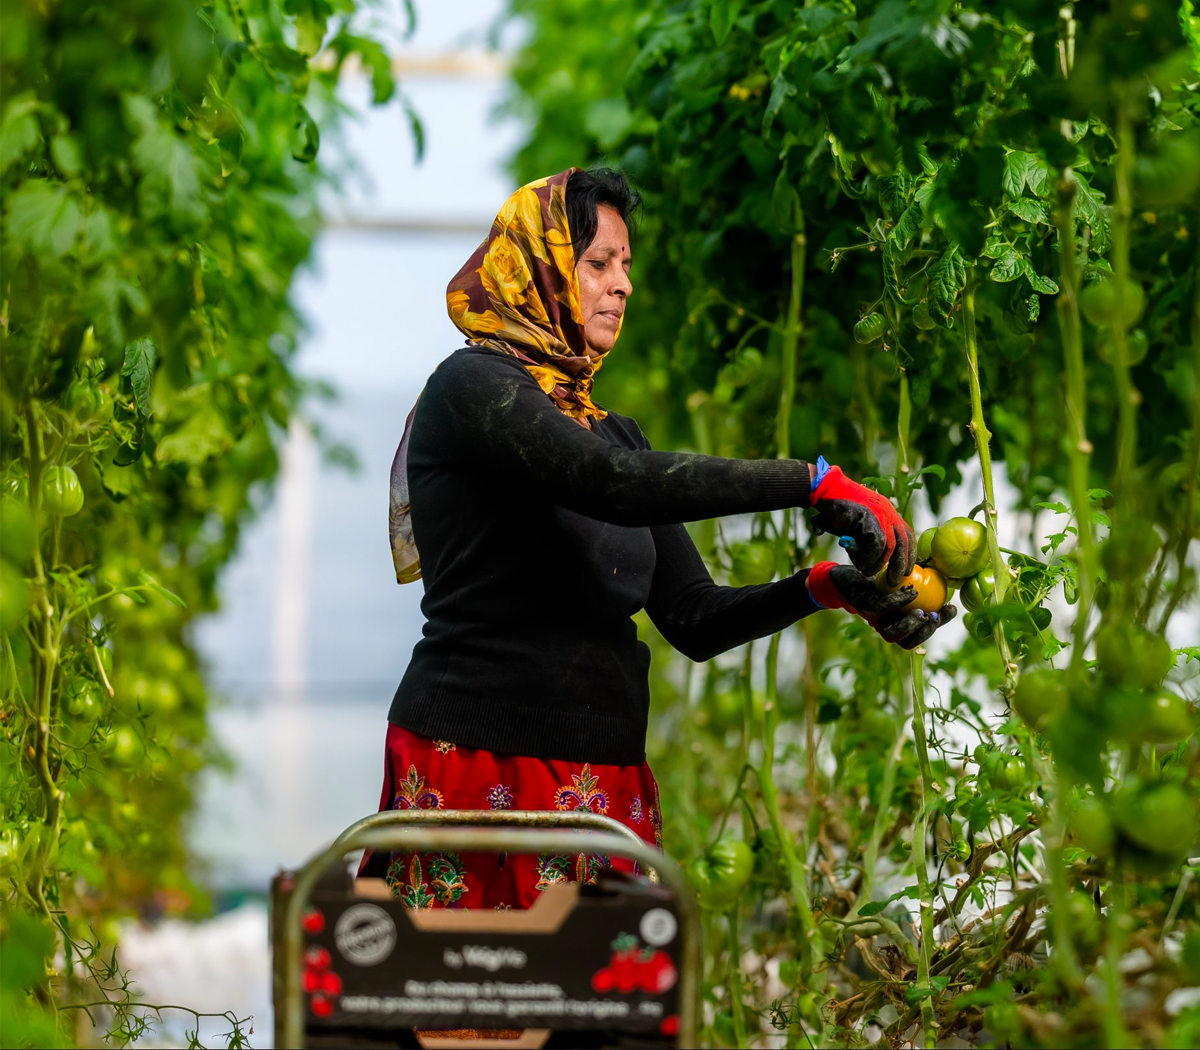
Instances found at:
x=159 y=192
x=946 y=844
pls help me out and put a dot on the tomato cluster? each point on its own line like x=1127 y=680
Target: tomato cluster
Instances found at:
x=319 y=982
x=632 y=968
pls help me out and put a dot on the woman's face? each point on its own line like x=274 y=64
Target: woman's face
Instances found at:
x=604 y=280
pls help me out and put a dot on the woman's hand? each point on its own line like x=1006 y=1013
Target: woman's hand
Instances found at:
x=881 y=537
x=834 y=586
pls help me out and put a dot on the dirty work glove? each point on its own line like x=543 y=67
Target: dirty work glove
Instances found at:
x=834 y=586
x=846 y=508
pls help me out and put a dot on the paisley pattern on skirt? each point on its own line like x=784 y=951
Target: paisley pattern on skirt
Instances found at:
x=420 y=773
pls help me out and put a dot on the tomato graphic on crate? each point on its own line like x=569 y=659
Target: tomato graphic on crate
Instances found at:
x=634 y=968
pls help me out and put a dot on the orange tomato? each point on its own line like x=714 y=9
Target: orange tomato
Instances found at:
x=931 y=588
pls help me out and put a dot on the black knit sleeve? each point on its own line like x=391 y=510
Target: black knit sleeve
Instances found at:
x=482 y=410
x=699 y=617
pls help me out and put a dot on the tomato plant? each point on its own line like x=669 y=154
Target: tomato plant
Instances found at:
x=159 y=186
x=1007 y=192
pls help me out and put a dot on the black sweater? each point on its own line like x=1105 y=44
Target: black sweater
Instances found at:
x=539 y=540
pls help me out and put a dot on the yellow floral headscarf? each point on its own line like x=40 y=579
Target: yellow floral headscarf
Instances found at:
x=519 y=294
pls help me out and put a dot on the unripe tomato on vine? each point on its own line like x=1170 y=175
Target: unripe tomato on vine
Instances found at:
x=1098 y=301
x=61 y=492
x=959 y=547
x=870 y=329
x=720 y=873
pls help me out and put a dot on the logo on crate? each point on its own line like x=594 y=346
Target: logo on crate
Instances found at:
x=364 y=934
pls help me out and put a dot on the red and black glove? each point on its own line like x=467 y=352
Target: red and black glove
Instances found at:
x=881 y=537
x=834 y=586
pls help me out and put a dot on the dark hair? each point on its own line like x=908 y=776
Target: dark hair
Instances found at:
x=586 y=191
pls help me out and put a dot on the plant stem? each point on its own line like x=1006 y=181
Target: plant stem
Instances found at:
x=797 y=874
x=45 y=666
x=734 y=976
x=1128 y=398
x=920 y=837
x=1079 y=448
x=979 y=429
x=1192 y=479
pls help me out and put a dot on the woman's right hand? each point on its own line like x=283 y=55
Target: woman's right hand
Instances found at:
x=846 y=508
x=834 y=586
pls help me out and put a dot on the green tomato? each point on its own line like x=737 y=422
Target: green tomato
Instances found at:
x=960 y=850
x=1132 y=656
x=1040 y=697
x=977 y=591
x=1093 y=827
x=724 y=1030
x=925 y=544
x=1170 y=176
x=1130 y=549
x=85 y=703
x=921 y=316
x=124 y=747
x=61 y=492
x=1159 y=818
x=752 y=563
x=959 y=547
x=10 y=849
x=1166 y=718
x=1084 y=922
x=14 y=596
x=720 y=874
x=1098 y=301
x=16 y=526
x=1137 y=345
x=1009 y=773
x=870 y=329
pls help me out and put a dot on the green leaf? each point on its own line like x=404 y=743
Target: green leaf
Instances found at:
x=202 y=436
x=906 y=231
x=607 y=120
x=947 y=277
x=1030 y=210
x=145 y=578
x=781 y=90
x=19 y=130
x=312 y=18
x=415 y=127
x=170 y=182
x=1023 y=169
x=140 y=356
x=43 y=218
x=1040 y=284
x=1009 y=265
x=721 y=16
x=64 y=150
x=307 y=138
x=785 y=203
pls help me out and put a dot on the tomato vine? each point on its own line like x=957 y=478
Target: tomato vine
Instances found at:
x=954 y=171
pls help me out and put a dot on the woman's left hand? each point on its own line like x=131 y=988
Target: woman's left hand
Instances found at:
x=834 y=586
x=910 y=629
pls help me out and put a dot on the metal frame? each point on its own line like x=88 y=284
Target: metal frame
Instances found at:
x=466 y=831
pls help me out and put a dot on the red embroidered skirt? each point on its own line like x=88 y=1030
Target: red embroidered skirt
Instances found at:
x=420 y=773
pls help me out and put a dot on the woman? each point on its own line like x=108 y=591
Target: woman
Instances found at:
x=544 y=523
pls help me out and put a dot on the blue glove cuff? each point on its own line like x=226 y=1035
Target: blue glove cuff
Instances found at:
x=823 y=468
